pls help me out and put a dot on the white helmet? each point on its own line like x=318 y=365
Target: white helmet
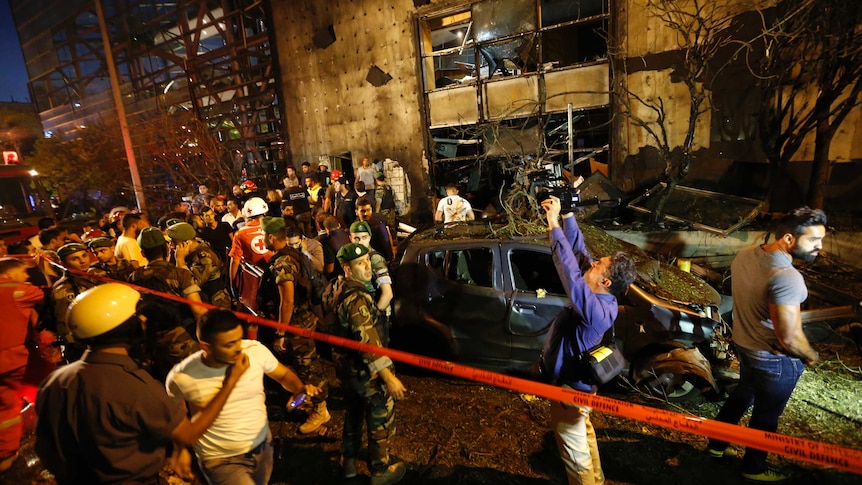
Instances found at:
x=255 y=207
x=102 y=308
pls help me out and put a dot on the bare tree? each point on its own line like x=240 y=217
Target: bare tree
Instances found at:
x=181 y=152
x=809 y=66
x=701 y=30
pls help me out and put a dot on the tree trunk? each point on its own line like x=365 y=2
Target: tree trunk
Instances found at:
x=821 y=169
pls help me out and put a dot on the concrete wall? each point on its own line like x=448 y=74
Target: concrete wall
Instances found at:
x=329 y=104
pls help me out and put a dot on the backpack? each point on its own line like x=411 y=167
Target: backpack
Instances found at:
x=163 y=313
x=310 y=280
x=336 y=291
x=388 y=199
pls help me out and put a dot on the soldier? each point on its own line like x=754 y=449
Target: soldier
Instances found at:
x=385 y=202
x=75 y=257
x=107 y=263
x=360 y=233
x=370 y=384
x=170 y=324
x=199 y=258
x=295 y=309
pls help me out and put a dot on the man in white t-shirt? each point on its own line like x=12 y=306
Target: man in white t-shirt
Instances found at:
x=453 y=207
x=127 y=244
x=237 y=447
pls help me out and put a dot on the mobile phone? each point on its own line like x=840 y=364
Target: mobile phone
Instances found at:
x=296 y=401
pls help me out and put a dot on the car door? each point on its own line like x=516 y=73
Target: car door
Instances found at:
x=467 y=296
x=535 y=297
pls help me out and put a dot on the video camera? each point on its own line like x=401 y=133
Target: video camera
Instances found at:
x=569 y=197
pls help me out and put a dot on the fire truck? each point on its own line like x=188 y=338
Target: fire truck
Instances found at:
x=23 y=201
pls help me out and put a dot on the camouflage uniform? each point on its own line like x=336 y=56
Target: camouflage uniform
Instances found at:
x=207 y=269
x=63 y=292
x=302 y=352
x=119 y=271
x=170 y=324
x=388 y=213
x=366 y=397
x=380 y=276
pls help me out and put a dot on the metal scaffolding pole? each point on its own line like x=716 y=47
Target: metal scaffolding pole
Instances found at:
x=121 y=111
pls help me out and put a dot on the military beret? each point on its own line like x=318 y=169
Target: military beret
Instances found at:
x=272 y=225
x=151 y=237
x=70 y=249
x=174 y=220
x=351 y=251
x=100 y=242
x=181 y=231
x=360 y=226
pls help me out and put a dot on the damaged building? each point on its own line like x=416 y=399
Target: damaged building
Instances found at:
x=467 y=91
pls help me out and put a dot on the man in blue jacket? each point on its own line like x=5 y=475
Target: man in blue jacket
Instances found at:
x=592 y=287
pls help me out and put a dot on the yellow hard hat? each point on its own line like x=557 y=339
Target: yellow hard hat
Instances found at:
x=102 y=308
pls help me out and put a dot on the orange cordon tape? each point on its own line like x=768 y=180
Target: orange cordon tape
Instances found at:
x=801 y=449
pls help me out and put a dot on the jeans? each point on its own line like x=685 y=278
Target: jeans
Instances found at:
x=252 y=468
x=576 y=440
x=766 y=381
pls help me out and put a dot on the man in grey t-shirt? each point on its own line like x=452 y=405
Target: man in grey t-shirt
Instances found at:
x=767 y=331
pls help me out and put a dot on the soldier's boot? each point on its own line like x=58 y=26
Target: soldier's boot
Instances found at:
x=318 y=417
x=392 y=474
x=348 y=467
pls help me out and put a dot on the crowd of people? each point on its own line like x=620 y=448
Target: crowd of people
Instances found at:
x=112 y=342
x=201 y=367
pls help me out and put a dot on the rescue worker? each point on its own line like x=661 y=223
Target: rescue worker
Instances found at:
x=295 y=308
x=103 y=419
x=198 y=257
x=75 y=257
x=107 y=264
x=18 y=299
x=370 y=385
x=249 y=248
x=170 y=324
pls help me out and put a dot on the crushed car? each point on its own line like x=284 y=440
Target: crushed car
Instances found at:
x=472 y=293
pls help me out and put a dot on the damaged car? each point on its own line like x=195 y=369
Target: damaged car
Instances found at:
x=473 y=294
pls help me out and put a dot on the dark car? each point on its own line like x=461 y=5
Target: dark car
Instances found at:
x=469 y=295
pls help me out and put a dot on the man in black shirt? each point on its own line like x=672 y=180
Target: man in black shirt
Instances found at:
x=217 y=234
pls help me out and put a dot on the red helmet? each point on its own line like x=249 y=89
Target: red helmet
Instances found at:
x=335 y=175
x=248 y=186
x=92 y=234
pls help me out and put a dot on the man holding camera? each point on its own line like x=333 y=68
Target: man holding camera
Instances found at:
x=592 y=287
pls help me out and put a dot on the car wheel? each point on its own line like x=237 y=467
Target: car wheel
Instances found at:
x=671 y=386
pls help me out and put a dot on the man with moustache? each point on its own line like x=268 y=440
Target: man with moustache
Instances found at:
x=237 y=447
x=767 y=332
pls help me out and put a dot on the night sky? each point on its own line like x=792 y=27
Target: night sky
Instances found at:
x=13 y=75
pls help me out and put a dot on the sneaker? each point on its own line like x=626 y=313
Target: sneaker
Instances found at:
x=393 y=474
x=348 y=467
x=770 y=475
x=725 y=453
x=316 y=419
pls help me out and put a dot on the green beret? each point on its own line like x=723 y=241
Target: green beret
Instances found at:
x=350 y=251
x=360 y=226
x=100 y=242
x=70 y=249
x=272 y=225
x=173 y=220
x=151 y=237
x=181 y=231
